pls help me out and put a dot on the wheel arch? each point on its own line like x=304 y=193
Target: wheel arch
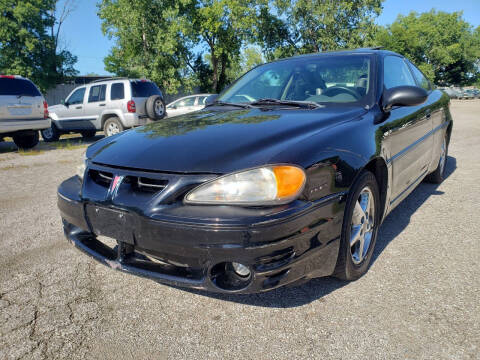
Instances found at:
x=108 y=115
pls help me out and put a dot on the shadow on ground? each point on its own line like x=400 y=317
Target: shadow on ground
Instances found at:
x=316 y=289
x=67 y=142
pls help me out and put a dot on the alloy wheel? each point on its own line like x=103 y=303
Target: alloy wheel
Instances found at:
x=47 y=133
x=112 y=129
x=362 y=226
x=159 y=108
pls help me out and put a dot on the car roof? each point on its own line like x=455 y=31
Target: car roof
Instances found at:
x=365 y=51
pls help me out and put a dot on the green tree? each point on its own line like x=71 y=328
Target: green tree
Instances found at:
x=152 y=40
x=443 y=45
x=29 y=41
x=288 y=27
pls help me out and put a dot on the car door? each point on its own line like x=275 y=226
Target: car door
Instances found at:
x=200 y=102
x=181 y=106
x=94 y=106
x=406 y=133
x=70 y=114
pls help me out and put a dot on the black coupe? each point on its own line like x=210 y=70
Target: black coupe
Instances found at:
x=285 y=176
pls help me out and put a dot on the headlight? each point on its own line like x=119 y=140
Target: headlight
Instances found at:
x=268 y=185
x=82 y=166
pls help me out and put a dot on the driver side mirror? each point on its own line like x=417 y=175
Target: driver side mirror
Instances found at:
x=211 y=99
x=403 y=96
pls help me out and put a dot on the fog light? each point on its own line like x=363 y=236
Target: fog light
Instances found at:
x=241 y=269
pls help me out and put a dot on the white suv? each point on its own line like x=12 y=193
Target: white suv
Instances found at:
x=23 y=111
x=111 y=105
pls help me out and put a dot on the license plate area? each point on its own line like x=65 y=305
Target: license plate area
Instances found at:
x=112 y=223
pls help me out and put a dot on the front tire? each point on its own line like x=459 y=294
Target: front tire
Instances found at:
x=360 y=227
x=50 y=134
x=26 y=140
x=88 y=134
x=112 y=126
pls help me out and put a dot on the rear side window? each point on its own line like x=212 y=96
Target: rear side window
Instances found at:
x=97 y=93
x=201 y=100
x=144 y=89
x=421 y=79
x=396 y=73
x=76 y=97
x=18 y=87
x=117 y=91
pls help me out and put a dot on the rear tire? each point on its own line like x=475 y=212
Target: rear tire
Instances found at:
x=359 y=229
x=26 y=140
x=112 y=126
x=50 y=134
x=438 y=175
x=88 y=134
x=155 y=107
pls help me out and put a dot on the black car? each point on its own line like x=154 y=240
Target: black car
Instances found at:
x=285 y=176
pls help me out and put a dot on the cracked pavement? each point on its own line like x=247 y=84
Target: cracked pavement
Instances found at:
x=420 y=299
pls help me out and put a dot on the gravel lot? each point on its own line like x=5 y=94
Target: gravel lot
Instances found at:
x=420 y=299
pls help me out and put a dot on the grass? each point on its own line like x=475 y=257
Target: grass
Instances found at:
x=66 y=145
x=30 y=152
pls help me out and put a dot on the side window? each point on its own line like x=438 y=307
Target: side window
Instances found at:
x=201 y=100
x=186 y=102
x=97 y=93
x=117 y=91
x=421 y=79
x=396 y=73
x=76 y=97
x=190 y=101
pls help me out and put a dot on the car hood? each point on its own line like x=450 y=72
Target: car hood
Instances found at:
x=216 y=140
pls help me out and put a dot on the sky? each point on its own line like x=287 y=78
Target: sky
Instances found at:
x=82 y=34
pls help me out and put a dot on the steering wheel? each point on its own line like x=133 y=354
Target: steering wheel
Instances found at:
x=334 y=90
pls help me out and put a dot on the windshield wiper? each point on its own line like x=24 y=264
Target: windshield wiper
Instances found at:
x=224 y=103
x=300 y=104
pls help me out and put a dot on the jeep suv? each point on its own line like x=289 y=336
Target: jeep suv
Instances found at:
x=23 y=111
x=111 y=105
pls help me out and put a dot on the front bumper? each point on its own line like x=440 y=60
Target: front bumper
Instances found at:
x=297 y=243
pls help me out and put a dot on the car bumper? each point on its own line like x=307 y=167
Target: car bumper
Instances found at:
x=11 y=126
x=133 y=119
x=301 y=245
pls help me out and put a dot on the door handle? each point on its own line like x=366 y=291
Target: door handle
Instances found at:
x=101 y=104
x=78 y=107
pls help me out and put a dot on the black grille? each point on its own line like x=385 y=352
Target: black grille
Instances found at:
x=145 y=184
x=102 y=178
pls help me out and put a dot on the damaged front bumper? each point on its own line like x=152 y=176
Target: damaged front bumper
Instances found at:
x=279 y=246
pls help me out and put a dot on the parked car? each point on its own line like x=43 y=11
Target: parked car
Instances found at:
x=452 y=93
x=111 y=105
x=470 y=94
x=187 y=104
x=278 y=180
x=23 y=111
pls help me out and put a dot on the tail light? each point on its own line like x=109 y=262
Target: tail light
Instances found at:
x=131 y=106
x=45 y=110
x=7 y=76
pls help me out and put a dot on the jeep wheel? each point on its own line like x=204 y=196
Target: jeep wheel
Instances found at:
x=155 y=107
x=50 y=134
x=26 y=139
x=112 y=126
x=88 y=134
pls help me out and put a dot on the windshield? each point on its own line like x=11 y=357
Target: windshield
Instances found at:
x=330 y=79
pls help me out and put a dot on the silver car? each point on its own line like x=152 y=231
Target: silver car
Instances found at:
x=111 y=105
x=23 y=111
x=187 y=104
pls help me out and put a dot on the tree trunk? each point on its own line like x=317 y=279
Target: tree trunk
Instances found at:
x=222 y=78
x=215 y=68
